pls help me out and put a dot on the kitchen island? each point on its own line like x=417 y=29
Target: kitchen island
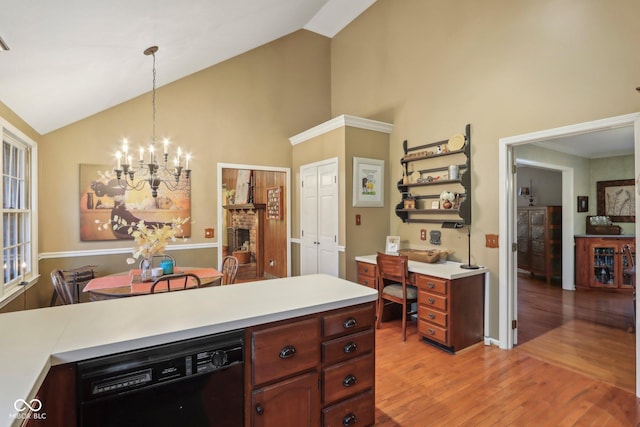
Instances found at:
x=34 y=341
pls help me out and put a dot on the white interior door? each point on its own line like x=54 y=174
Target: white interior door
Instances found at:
x=319 y=218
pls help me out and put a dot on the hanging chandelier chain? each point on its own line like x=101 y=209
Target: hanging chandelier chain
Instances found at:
x=153 y=101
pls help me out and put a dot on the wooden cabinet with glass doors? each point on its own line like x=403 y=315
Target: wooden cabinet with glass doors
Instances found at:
x=601 y=263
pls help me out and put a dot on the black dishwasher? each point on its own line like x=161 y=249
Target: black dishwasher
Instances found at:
x=196 y=382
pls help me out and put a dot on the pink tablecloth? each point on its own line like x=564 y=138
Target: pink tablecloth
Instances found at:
x=117 y=281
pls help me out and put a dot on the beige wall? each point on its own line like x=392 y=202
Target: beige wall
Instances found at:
x=506 y=67
x=241 y=111
x=7 y=114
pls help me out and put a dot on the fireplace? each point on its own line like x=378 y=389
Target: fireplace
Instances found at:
x=246 y=231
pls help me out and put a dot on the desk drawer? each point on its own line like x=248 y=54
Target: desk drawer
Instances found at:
x=367 y=281
x=428 y=299
x=433 y=332
x=347 y=378
x=366 y=269
x=432 y=284
x=284 y=350
x=434 y=316
x=347 y=346
x=349 y=320
x=359 y=410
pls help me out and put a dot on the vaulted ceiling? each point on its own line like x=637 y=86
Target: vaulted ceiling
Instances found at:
x=69 y=59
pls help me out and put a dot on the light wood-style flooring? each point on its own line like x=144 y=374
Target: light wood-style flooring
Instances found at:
x=420 y=385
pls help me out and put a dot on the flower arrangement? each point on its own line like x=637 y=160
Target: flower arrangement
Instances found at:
x=151 y=239
x=447 y=196
x=230 y=195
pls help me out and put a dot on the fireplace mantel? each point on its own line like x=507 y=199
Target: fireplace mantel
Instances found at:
x=245 y=207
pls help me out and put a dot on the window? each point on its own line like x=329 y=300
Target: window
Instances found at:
x=19 y=248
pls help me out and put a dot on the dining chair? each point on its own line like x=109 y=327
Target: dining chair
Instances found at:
x=393 y=287
x=229 y=270
x=61 y=288
x=630 y=269
x=174 y=282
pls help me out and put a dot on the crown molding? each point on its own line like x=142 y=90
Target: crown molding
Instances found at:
x=338 y=122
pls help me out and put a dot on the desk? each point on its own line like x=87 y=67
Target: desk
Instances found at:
x=121 y=285
x=450 y=300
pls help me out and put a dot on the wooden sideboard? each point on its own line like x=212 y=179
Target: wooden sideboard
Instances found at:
x=450 y=302
x=600 y=263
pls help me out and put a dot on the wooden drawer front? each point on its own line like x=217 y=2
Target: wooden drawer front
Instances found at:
x=428 y=299
x=347 y=378
x=433 y=332
x=359 y=410
x=432 y=284
x=350 y=320
x=347 y=346
x=434 y=316
x=366 y=269
x=367 y=281
x=284 y=350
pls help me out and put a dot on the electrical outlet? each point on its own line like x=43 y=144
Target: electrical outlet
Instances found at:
x=358 y=219
x=423 y=234
x=492 y=240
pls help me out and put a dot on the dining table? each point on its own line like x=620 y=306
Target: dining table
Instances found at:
x=129 y=283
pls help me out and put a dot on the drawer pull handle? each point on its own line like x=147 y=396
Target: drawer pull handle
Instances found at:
x=350 y=348
x=431 y=316
x=366 y=282
x=349 y=420
x=259 y=409
x=431 y=300
x=431 y=285
x=366 y=269
x=350 y=323
x=287 y=352
x=431 y=331
x=349 y=380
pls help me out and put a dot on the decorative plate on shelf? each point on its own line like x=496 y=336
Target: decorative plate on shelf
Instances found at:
x=456 y=142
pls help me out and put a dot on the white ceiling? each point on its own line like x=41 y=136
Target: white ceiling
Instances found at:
x=606 y=143
x=69 y=59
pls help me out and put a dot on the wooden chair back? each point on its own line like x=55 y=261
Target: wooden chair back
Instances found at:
x=175 y=282
x=61 y=287
x=392 y=267
x=393 y=271
x=229 y=270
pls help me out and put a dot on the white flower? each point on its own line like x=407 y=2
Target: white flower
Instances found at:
x=447 y=195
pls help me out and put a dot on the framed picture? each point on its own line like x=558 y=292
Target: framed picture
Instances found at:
x=368 y=182
x=435 y=204
x=616 y=199
x=393 y=245
x=583 y=203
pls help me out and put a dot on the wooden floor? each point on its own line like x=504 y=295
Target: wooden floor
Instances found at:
x=420 y=385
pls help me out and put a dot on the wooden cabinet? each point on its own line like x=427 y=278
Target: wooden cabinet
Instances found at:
x=439 y=169
x=316 y=370
x=601 y=264
x=367 y=274
x=451 y=312
x=58 y=397
x=540 y=240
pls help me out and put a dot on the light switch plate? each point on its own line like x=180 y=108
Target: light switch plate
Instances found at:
x=492 y=240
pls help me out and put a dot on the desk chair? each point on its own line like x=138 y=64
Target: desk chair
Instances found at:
x=393 y=277
x=630 y=269
x=229 y=270
x=174 y=282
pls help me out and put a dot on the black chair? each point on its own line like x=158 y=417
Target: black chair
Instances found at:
x=630 y=270
x=69 y=282
x=174 y=282
x=393 y=286
x=229 y=270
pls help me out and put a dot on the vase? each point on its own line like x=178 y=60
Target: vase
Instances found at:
x=145 y=270
x=447 y=204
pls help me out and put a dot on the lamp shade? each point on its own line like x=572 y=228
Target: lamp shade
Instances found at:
x=523 y=191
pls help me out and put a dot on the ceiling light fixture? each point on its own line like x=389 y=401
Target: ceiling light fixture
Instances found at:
x=154 y=173
x=3 y=45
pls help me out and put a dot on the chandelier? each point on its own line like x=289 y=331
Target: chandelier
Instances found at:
x=153 y=168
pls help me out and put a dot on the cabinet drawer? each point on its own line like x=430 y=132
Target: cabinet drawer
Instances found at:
x=347 y=378
x=366 y=269
x=347 y=346
x=432 y=284
x=367 y=281
x=359 y=410
x=350 y=320
x=434 y=316
x=432 y=331
x=284 y=350
x=428 y=299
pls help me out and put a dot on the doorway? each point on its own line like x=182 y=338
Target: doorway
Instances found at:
x=508 y=270
x=280 y=225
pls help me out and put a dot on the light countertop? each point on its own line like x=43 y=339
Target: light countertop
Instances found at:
x=34 y=340
x=446 y=270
